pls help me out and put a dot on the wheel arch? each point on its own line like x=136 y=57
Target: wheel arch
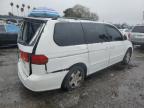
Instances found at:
x=83 y=65
x=130 y=49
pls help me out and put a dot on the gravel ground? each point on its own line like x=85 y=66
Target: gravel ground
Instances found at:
x=114 y=87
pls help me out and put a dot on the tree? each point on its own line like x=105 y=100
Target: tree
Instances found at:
x=80 y=11
x=69 y=12
x=10 y=14
x=17 y=6
x=28 y=7
x=23 y=6
x=94 y=16
x=22 y=10
x=12 y=4
x=125 y=25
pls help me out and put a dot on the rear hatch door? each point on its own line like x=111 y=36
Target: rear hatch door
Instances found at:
x=31 y=30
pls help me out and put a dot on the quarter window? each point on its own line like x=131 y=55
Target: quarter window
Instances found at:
x=66 y=34
x=113 y=33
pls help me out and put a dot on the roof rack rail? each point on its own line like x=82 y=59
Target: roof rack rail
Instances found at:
x=75 y=18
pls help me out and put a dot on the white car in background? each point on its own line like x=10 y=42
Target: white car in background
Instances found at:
x=126 y=32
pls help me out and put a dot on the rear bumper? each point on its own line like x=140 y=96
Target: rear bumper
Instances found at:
x=41 y=82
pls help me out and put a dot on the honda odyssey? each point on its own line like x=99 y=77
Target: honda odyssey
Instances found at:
x=60 y=53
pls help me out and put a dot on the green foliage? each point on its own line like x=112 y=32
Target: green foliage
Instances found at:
x=79 y=11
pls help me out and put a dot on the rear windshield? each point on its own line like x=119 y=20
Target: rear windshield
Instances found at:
x=30 y=29
x=139 y=29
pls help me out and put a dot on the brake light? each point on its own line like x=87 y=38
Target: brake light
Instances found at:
x=39 y=59
x=35 y=59
x=24 y=56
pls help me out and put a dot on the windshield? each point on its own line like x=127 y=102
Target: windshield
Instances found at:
x=139 y=29
x=29 y=31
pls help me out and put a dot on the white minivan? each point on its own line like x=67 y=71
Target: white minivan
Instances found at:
x=60 y=53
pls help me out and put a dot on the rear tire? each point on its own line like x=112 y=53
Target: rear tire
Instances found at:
x=127 y=57
x=74 y=78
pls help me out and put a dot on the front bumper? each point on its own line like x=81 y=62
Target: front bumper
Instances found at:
x=41 y=82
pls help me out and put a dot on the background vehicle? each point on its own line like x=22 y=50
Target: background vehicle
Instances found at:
x=62 y=52
x=126 y=32
x=137 y=35
x=8 y=34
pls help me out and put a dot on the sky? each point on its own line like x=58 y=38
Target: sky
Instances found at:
x=114 y=11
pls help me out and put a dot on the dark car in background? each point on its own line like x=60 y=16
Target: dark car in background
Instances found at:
x=8 y=34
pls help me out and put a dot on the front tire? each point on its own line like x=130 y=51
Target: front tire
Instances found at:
x=74 y=78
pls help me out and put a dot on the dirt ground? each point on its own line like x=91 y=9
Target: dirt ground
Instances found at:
x=115 y=87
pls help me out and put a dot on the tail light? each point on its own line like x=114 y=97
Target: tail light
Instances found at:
x=35 y=59
x=39 y=59
x=24 y=56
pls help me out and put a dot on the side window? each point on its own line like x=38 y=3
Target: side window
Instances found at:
x=66 y=34
x=95 y=32
x=113 y=33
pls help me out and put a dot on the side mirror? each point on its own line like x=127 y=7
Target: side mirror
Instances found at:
x=104 y=37
x=125 y=37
